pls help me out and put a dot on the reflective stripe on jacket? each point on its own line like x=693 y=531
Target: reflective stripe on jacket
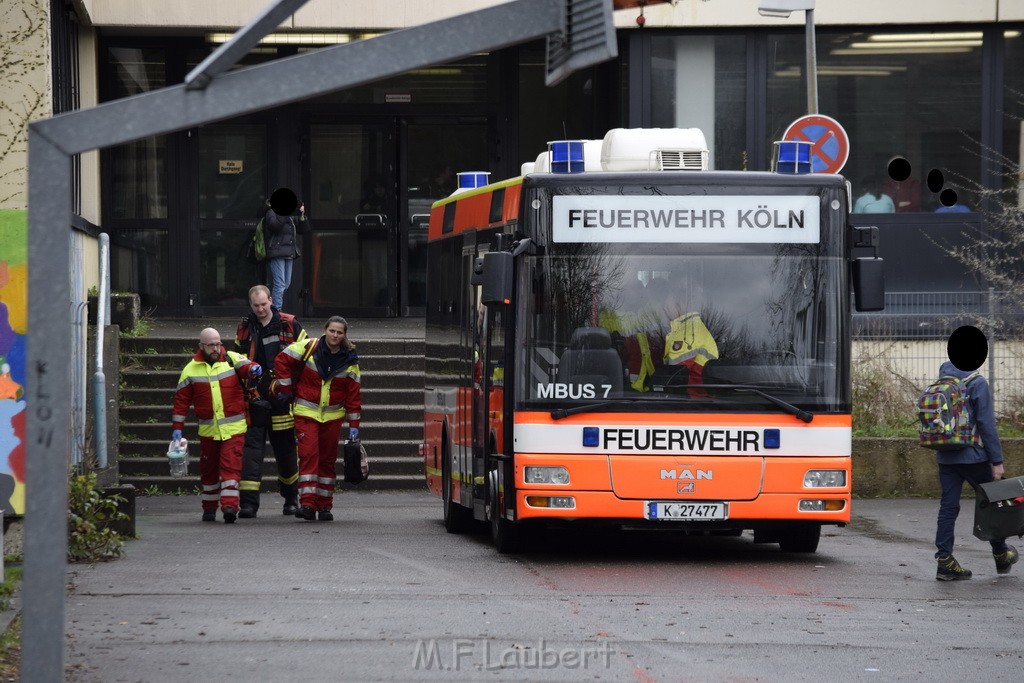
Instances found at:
x=216 y=392
x=318 y=399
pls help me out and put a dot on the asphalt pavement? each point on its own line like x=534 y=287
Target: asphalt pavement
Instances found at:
x=185 y=589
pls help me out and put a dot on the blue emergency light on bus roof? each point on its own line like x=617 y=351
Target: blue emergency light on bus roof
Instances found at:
x=469 y=180
x=591 y=436
x=772 y=438
x=566 y=156
x=792 y=156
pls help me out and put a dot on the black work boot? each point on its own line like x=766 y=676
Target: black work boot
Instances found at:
x=229 y=515
x=1006 y=559
x=210 y=515
x=291 y=506
x=950 y=570
x=247 y=512
x=325 y=515
x=307 y=513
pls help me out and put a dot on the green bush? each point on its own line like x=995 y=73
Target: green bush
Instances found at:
x=884 y=403
x=89 y=539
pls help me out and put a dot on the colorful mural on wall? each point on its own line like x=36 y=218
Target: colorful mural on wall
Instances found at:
x=13 y=330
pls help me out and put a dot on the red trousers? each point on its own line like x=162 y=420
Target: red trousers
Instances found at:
x=317 y=446
x=220 y=468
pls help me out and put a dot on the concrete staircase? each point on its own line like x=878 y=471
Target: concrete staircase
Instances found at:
x=391 y=428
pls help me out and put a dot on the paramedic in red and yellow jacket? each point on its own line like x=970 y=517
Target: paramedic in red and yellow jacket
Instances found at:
x=211 y=382
x=322 y=377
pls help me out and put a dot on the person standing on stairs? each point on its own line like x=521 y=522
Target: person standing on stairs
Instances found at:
x=261 y=336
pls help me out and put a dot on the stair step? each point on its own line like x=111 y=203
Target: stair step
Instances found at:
x=190 y=485
x=157 y=466
x=392 y=391
x=186 y=347
x=131 y=450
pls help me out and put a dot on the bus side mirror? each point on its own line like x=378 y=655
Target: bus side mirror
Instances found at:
x=496 y=277
x=868 y=284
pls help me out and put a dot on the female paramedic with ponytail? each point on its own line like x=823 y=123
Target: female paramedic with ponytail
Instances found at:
x=322 y=378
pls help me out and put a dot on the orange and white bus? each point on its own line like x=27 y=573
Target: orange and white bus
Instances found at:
x=665 y=348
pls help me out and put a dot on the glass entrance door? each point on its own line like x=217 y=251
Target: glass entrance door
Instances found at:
x=435 y=150
x=371 y=184
x=352 y=209
x=232 y=179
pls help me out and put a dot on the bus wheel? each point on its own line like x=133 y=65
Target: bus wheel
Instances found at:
x=800 y=538
x=507 y=536
x=457 y=519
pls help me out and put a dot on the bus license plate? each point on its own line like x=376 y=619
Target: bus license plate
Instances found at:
x=685 y=512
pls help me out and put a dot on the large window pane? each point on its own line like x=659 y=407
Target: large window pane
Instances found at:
x=224 y=275
x=1013 y=119
x=911 y=94
x=136 y=70
x=579 y=108
x=700 y=82
x=139 y=179
x=232 y=171
x=462 y=82
x=138 y=263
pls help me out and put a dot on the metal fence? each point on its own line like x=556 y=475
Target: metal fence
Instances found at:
x=908 y=340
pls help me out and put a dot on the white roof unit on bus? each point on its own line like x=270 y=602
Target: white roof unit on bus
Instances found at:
x=591 y=159
x=654 y=149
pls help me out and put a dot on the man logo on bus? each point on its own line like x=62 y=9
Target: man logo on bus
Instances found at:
x=687 y=475
x=688 y=487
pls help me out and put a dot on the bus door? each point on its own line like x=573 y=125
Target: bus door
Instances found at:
x=467 y=405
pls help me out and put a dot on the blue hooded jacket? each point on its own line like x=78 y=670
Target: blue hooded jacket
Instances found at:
x=983 y=414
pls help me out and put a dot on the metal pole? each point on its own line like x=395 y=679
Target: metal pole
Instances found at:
x=812 y=65
x=48 y=397
x=99 y=380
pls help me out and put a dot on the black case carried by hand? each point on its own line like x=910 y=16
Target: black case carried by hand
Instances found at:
x=357 y=468
x=999 y=510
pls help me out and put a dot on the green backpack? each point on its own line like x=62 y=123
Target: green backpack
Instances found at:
x=257 y=249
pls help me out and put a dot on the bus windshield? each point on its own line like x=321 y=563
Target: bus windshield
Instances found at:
x=682 y=328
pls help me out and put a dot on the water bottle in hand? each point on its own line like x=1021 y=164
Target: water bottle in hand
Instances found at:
x=177 y=457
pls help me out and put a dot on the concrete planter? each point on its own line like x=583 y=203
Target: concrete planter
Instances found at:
x=125 y=310
x=884 y=468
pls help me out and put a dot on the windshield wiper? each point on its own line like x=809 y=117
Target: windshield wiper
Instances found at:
x=559 y=413
x=800 y=413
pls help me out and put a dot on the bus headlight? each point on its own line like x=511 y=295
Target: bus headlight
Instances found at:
x=825 y=479
x=546 y=475
x=563 y=502
x=822 y=505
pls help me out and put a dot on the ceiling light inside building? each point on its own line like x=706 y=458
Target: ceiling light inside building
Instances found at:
x=296 y=38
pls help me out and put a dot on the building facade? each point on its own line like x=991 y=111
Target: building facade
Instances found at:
x=936 y=87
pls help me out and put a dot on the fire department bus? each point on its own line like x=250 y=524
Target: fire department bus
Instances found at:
x=644 y=342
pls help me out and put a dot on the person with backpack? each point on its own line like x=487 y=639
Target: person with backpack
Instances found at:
x=281 y=231
x=261 y=336
x=322 y=378
x=958 y=421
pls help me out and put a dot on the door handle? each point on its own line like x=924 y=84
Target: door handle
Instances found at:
x=373 y=219
x=419 y=220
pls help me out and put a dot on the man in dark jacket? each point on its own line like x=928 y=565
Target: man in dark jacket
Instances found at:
x=976 y=465
x=281 y=231
x=260 y=336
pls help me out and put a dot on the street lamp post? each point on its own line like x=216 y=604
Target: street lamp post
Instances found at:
x=782 y=9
